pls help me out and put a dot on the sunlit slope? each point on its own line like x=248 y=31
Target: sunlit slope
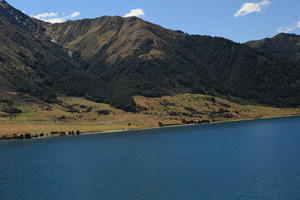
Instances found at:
x=73 y=113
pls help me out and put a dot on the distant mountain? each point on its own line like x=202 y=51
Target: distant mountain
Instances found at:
x=283 y=44
x=111 y=59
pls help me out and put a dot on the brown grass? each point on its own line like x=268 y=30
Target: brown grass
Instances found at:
x=169 y=110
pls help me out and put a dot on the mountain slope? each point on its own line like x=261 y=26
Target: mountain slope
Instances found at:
x=112 y=59
x=134 y=57
x=30 y=61
x=283 y=44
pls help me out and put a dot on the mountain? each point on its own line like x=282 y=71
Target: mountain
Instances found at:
x=134 y=57
x=29 y=61
x=112 y=59
x=283 y=44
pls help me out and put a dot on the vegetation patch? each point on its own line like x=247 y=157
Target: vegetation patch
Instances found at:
x=12 y=110
x=104 y=112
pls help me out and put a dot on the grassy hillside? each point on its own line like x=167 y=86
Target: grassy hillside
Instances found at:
x=73 y=113
x=192 y=107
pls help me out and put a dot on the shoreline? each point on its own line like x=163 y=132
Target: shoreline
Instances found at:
x=151 y=128
x=187 y=125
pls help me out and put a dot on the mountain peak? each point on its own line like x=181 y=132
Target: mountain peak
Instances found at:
x=286 y=35
x=15 y=17
x=284 y=45
x=3 y=3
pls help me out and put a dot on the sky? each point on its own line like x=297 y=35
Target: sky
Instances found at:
x=238 y=20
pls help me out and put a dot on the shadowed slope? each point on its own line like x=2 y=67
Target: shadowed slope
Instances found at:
x=284 y=45
x=29 y=61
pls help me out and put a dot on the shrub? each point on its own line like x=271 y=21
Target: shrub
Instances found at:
x=12 y=110
x=62 y=118
x=89 y=109
x=7 y=102
x=166 y=103
x=28 y=136
x=103 y=112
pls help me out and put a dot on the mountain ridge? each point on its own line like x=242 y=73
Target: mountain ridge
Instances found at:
x=284 y=45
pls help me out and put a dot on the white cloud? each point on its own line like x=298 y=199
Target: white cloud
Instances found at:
x=55 y=20
x=46 y=15
x=251 y=7
x=135 y=13
x=289 y=28
x=74 y=14
x=53 y=17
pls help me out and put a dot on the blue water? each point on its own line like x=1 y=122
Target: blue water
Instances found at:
x=254 y=160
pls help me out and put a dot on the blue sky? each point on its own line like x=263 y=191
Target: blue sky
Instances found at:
x=238 y=20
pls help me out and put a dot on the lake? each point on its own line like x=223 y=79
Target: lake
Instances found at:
x=250 y=160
